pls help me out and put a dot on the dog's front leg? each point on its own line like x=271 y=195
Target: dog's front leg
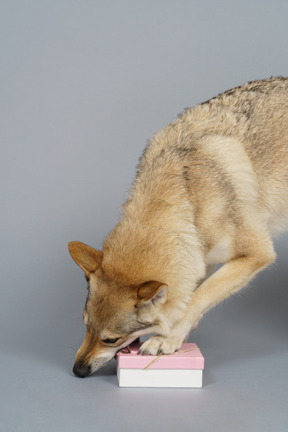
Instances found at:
x=178 y=333
x=231 y=277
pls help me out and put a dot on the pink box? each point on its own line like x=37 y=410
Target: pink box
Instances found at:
x=181 y=369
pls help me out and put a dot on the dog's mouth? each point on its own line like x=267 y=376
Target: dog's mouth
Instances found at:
x=126 y=347
x=82 y=370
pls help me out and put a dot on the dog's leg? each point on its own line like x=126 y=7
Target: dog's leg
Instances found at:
x=210 y=270
x=231 y=277
x=168 y=344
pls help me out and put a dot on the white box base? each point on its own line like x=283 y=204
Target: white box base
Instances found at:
x=191 y=378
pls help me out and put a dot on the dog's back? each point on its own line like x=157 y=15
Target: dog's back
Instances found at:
x=233 y=148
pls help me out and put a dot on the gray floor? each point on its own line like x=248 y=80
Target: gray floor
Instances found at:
x=83 y=85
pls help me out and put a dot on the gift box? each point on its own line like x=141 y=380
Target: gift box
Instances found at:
x=181 y=369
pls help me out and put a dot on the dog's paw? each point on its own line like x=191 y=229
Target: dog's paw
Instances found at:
x=160 y=345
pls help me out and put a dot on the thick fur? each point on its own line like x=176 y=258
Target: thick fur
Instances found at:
x=211 y=188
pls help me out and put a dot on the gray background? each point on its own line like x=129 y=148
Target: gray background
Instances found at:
x=84 y=84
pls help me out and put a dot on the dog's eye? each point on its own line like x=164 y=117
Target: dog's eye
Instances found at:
x=110 y=341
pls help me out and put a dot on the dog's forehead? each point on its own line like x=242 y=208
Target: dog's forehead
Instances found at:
x=107 y=314
x=104 y=287
x=107 y=297
x=99 y=301
x=110 y=306
x=102 y=282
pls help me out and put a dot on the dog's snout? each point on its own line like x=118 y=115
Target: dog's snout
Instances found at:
x=81 y=370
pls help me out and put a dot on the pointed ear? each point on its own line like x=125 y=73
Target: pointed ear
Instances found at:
x=152 y=291
x=88 y=258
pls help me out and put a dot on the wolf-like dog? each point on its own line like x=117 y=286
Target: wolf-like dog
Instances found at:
x=211 y=188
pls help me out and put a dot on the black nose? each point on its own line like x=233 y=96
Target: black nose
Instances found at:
x=81 y=370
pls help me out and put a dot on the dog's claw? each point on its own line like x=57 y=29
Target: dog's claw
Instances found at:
x=158 y=345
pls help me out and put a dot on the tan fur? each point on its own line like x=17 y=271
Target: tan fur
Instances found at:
x=211 y=188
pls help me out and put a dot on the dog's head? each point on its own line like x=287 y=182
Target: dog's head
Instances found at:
x=112 y=310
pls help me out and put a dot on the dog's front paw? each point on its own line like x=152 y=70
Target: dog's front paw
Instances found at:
x=160 y=345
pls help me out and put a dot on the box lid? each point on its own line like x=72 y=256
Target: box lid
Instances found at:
x=187 y=357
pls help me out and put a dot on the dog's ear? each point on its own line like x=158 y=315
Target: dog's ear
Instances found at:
x=88 y=258
x=152 y=291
